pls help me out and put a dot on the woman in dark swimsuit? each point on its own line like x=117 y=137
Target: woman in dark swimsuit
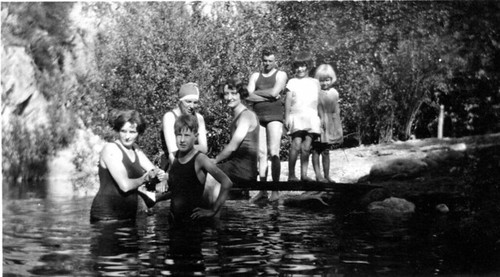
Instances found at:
x=122 y=169
x=240 y=156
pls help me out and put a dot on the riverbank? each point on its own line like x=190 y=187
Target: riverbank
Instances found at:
x=417 y=169
x=401 y=166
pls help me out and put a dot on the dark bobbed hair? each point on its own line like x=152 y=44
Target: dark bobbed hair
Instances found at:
x=186 y=121
x=132 y=116
x=234 y=82
x=302 y=58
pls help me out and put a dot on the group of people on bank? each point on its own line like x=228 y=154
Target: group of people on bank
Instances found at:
x=307 y=107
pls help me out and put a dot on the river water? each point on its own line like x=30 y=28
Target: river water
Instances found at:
x=53 y=237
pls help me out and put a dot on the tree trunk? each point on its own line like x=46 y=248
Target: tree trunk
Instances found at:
x=411 y=119
x=385 y=134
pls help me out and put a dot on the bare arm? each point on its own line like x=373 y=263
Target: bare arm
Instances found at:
x=111 y=158
x=144 y=161
x=288 y=105
x=321 y=108
x=148 y=166
x=203 y=162
x=251 y=82
x=274 y=92
x=169 y=135
x=202 y=145
x=336 y=105
x=244 y=124
x=252 y=97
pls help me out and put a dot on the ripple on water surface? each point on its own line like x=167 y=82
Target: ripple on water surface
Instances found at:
x=46 y=237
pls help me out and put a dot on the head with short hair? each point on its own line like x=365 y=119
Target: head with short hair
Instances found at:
x=268 y=60
x=233 y=83
x=132 y=116
x=325 y=71
x=268 y=51
x=302 y=59
x=186 y=121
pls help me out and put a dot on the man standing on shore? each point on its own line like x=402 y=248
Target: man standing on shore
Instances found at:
x=265 y=89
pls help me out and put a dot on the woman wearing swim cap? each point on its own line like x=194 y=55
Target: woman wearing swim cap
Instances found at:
x=189 y=95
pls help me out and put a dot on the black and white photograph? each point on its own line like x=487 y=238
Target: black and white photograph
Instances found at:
x=250 y=138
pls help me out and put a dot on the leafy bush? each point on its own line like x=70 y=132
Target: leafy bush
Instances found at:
x=389 y=66
x=395 y=63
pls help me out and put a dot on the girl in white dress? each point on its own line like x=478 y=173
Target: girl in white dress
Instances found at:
x=301 y=115
x=331 y=125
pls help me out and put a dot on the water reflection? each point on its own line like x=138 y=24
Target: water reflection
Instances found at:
x=114 y=247
x=54 y=237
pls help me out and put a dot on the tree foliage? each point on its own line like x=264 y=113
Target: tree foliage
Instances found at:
x=45 y=30
x=396 y=62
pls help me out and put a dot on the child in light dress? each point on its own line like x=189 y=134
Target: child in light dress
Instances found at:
x=301 y=115
x=331 y=126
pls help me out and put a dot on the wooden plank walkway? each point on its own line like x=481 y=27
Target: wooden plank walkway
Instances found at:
x=303 y=186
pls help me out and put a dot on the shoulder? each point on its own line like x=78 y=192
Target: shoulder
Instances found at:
x=110 y=146
x=313 y=80
x=137 y=149
x=252 y=118
x=111 y=149
x=281 y=73
x=254 y=76
x=200 y=118
x=201 y=159
x=333 y=91
x=169 y=115
x=248 y=115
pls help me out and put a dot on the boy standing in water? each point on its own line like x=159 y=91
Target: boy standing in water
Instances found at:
x=194 y=195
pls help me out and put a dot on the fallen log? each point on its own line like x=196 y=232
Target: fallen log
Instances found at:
x=302 y=186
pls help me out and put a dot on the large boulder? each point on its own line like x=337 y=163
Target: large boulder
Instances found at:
x=397 y=168
x=442 y=158
x=20 y=95
x=392 y=205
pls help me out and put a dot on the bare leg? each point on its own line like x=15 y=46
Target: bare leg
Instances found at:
x=305 y=150
x=262 y=162
x=274 y=133
x=325 y=155
x=316 y=167
x=262 y=153
x=293 y=155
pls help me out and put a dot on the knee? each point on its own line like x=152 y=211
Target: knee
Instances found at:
x=306 y=147
x=262 y=154
x=274 y=152
x=295 y=145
